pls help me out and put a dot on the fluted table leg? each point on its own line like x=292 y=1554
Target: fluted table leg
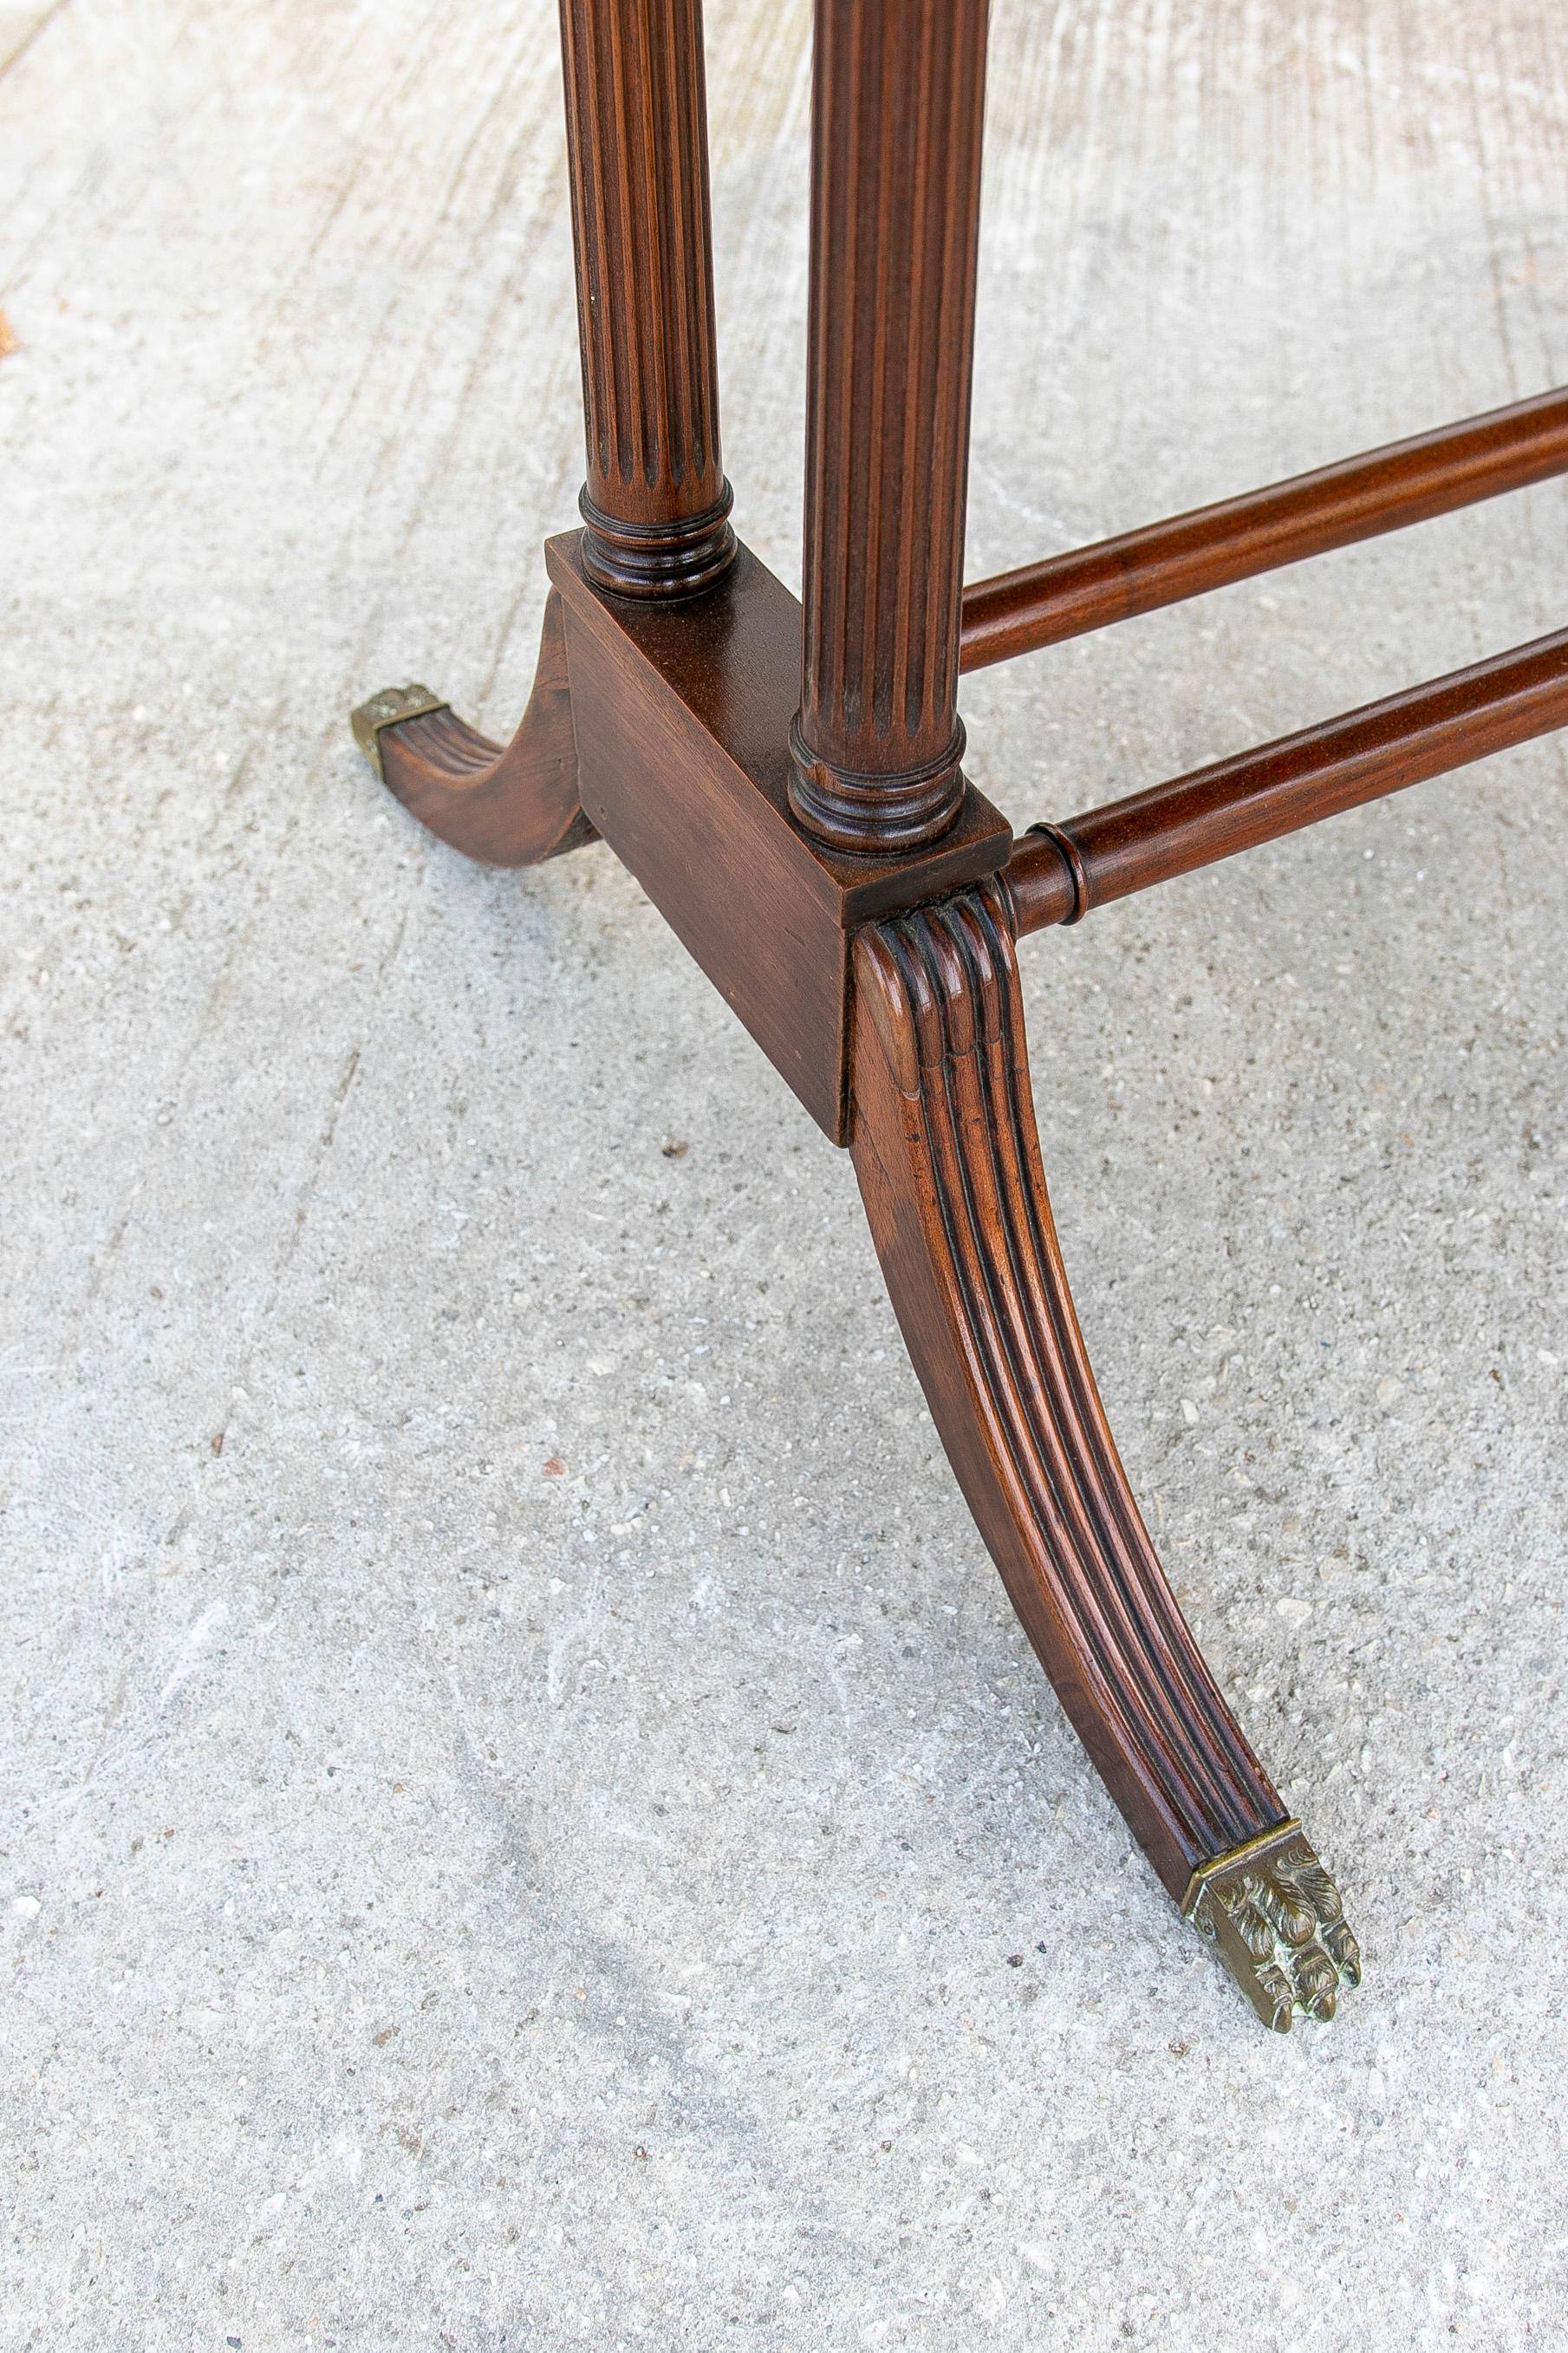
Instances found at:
x=656 y=504
x=895 y=215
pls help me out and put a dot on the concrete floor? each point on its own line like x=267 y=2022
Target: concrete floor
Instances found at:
x=520 y=1786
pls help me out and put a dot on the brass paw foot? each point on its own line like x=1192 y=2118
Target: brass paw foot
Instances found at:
x=390 y=708
x=1276 y=1918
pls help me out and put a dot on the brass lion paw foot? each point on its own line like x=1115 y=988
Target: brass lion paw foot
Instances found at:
x=390 y=708
x=1276 y=1918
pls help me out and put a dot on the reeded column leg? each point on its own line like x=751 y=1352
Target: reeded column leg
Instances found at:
x=898 y=99
x=656 y=504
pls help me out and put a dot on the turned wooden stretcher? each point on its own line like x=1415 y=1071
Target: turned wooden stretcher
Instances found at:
x=786 y=782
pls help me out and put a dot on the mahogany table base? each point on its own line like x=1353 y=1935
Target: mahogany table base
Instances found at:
x=785 y=781
x=924 y=1074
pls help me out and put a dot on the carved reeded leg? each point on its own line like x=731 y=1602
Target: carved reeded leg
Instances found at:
x=511 y=807
x=948 y=1160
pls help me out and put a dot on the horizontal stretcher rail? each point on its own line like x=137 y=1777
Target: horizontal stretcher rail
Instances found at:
x=1164 y=562
x=1059 y=872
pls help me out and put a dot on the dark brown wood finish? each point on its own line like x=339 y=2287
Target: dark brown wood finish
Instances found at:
x=1059 y=871
x=1165 y=562
x=946 y=1149
x=656 y=504
x=683 y=753
x=507 y=807
x=898 y=99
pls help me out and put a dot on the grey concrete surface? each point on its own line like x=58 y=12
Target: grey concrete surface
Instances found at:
x=520 y=1787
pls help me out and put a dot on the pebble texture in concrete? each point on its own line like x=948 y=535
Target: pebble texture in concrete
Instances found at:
x=527 y=1821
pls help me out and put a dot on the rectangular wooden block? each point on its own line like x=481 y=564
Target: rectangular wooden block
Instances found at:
x=682 y=714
